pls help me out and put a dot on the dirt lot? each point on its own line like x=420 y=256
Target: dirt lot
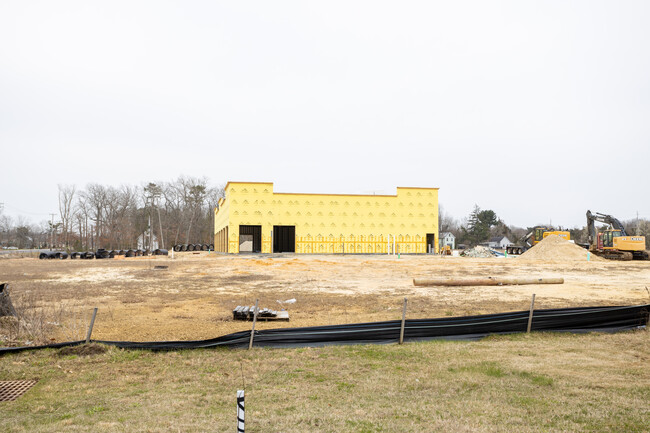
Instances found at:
x=193 y=298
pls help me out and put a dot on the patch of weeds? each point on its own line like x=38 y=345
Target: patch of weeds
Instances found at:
x=316 y=377
x=286 y=410
x=344 y=386
x=123 y=355
x=527 y=402
x=374 y=353
x=363 y=426
x=96 y=409
x=492 y=369
x=536 y=379
x=64 y=416
x=449 y=313
x=469 y=386
x=489 y=368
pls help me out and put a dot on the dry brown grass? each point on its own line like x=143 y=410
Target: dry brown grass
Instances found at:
x=194 y=297
x=521 y=383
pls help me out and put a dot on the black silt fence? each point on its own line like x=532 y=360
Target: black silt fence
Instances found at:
x=576 y=320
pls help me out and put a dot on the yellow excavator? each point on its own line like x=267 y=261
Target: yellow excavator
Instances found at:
x=614 y=243
x=535 y=237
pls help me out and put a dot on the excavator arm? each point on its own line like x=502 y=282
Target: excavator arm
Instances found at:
x=605 y=219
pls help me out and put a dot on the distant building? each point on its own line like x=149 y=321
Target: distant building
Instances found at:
x=499 y=242
x=448 y=238
x=143 y=241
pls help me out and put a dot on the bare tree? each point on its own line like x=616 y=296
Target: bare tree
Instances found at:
x=95 y=197
x=66 y=196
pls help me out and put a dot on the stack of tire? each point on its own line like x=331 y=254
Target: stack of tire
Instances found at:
x=101 y=253
x=53 y=255
x=194 y=247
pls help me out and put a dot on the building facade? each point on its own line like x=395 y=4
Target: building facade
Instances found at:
x=254 y=218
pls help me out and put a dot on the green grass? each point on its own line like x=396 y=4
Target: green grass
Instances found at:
x=523 y=383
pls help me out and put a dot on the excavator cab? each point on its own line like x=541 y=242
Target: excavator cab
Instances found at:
x=606 y=238
x=539 y=234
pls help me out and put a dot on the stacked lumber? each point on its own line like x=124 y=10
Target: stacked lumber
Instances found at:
x=248 y=312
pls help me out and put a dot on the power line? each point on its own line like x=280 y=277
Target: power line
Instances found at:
x=22 y=211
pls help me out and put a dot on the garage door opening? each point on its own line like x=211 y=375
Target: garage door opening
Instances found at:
x=250 y=239
x=431 y=243
x=284 y=239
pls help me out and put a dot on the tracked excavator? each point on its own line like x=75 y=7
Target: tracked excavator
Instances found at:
x=535 y=237
x=614 y=242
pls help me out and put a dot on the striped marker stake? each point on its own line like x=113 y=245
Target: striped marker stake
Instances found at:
x=240 y=411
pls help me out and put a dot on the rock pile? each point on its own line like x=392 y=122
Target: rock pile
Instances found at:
x=555 y=248
x=478 y=251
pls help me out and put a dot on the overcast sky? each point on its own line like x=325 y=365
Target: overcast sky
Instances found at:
x=537 y=110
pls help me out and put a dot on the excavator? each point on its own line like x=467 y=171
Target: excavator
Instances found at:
x=535 y=237
x=614 y=243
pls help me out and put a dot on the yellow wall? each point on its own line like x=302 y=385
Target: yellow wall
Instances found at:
x=331 y=223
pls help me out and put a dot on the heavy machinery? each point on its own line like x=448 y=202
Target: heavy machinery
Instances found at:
x=535 y=237
x=614 y=242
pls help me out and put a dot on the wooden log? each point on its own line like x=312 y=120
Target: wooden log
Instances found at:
x=6 y=307
x=487 y=281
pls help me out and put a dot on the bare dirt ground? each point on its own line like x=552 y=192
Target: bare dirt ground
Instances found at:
x=193 y=298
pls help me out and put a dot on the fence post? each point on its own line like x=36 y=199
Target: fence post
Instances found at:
x=401 y=331
x=92 y=323
x=250 y=343
x=240 y=411
x=530 y=315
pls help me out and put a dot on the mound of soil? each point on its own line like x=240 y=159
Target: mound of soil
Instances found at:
x=555 y=248
x=83 y=350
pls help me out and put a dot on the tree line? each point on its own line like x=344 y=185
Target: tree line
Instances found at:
x=181 y=212
x=129 y=216
x=481 y=225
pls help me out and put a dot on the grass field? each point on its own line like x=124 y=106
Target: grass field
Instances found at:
x=520 y=383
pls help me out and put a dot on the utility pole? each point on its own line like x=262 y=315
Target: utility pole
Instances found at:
x=52 y=230
x=150 y=233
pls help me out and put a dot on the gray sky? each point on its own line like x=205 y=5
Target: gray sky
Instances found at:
x=537 y=110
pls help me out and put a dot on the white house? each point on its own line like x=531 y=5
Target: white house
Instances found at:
x=499 y=242
x=143 y=241
x=447 y=238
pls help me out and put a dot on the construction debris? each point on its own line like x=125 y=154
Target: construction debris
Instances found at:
x=247 y=313
x=478 y=251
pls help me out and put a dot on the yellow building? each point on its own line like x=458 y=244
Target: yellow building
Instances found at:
x=253 y=218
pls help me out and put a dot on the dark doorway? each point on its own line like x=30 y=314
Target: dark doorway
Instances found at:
x=431 y=243
x=250 y=239
x=284 y=239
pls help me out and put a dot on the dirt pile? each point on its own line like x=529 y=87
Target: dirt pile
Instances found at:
x=555 y=248
x=478 y=251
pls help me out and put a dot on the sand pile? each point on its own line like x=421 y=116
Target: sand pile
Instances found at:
x=554 y=247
